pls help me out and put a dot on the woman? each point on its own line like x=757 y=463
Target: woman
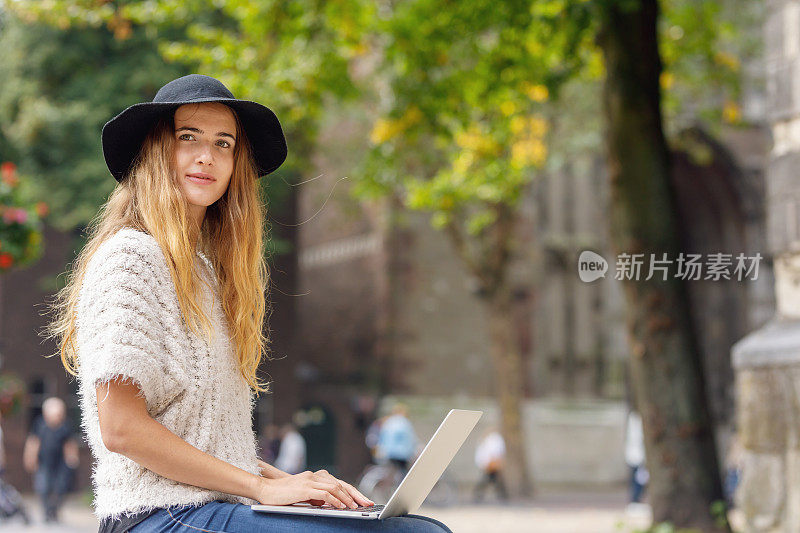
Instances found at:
x=161 y=321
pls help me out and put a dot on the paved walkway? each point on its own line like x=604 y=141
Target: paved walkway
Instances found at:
x=549 y=512
x=76 y=517
x=565 y=512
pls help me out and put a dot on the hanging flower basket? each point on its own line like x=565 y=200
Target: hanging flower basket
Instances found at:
x=12 y=394
x=20 y=222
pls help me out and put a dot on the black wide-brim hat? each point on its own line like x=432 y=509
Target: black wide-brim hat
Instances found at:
x=124 y=134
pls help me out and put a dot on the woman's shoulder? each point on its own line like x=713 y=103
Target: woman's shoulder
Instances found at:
x=127 y=252
x=128 y=240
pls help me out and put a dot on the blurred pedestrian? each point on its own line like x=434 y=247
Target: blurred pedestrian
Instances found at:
x=292 y=452
x=270 y=443
x=733 y=470
x=10 y=500
x=51 y=455
x=635 y=456
x=371 y=438
x=397 y=441
x=490 y=458
x=2 y=450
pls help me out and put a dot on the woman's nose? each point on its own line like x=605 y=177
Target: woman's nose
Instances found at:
x=204 y=153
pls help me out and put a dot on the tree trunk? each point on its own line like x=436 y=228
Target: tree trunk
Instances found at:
x=507 y=362
x=665 y=365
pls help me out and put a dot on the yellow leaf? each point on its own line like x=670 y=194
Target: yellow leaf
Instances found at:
x=463 y=162
x=508 y=107
x=385 y=129
x=728 y=60
x=538 y=152
x=538 y=126
x=537 y=93
x=528 y=152
x=666 y=80
x=360 y=49
x=412 y=115
x=517 y=124
x=439 y=220
x=474 y=140
x=731 y=112
x=382 y=131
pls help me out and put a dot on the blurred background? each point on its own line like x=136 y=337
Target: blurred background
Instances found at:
x=448 y=164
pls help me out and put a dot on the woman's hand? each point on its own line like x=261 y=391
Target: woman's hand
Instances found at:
x=359 y=498
x=317 y=488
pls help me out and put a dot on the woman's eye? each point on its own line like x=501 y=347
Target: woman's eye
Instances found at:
x=226 y=145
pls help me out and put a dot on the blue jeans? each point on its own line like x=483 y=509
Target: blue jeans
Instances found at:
x=636 y=488
x=51 y=484
x=225 y=517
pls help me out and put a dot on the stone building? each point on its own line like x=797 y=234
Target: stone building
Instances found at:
x=767 y=361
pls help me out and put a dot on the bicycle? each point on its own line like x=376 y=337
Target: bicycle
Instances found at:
x=379 y=481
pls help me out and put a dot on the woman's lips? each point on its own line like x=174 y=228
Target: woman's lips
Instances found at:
x=202 y=181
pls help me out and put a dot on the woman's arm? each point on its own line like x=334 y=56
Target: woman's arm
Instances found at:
x=127 y=428
x=271 y=472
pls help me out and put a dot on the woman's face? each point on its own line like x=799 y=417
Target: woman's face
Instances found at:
x=205 y=135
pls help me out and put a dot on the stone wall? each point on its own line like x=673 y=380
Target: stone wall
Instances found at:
x=767 y=362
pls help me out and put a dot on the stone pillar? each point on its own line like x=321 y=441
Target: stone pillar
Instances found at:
x=767 y=362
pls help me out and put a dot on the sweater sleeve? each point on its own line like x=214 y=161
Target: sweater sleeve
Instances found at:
x=120 y=331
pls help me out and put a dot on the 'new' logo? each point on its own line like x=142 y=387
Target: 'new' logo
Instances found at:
x=591 y=266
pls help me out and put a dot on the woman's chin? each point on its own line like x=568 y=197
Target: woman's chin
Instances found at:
x=200 y=200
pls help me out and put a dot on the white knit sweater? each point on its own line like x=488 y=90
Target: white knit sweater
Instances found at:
x=129 y=324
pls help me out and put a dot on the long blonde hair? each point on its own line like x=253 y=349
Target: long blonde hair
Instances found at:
x=231 y=237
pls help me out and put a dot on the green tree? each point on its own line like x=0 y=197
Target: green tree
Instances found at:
x=465 y=132
x=288 y=54
x=291 y=55
x=668 y=378
x=60 y=87
x=462 y=133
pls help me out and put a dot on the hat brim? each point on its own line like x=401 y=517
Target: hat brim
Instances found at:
x=123 y=135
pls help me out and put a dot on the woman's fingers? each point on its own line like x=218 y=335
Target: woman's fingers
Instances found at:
x=338 y=492
x=356 y=494
x=344 y=491
x=345 y=496
x=352 y=492
x=327 y=497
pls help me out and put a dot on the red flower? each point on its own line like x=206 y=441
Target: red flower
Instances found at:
x=6 y=260
x=42 y=209
x=8 y=169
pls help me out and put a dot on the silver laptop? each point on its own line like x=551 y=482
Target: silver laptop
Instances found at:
x=417 y=483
